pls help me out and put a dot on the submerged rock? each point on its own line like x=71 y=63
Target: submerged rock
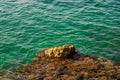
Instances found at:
x=60 y=63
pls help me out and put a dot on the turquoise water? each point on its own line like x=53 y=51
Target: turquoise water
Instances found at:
x=27 y=26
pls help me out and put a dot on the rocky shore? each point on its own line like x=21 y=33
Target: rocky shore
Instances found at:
x=65 y=63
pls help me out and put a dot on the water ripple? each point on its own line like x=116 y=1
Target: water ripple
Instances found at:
x=31 y=25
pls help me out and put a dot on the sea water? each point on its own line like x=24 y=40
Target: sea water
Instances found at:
x=28 y=26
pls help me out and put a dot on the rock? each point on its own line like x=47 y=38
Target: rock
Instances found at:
x=5 y=79
x=48 y=78
x=61 y=51
x=57 y=64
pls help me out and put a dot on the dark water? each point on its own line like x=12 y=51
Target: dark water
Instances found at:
x=27 y=26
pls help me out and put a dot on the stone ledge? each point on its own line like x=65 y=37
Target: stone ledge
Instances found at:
x=72 y=66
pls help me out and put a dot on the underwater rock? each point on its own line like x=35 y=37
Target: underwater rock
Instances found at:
x=51 y=66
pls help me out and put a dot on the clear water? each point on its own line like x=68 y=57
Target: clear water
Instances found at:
x=27 y=26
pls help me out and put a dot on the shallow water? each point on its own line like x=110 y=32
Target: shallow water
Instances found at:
x=27 y=26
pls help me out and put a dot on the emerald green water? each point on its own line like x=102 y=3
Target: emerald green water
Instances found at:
x=27 y=26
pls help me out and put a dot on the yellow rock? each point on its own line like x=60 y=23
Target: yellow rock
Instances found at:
x=61 y=51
